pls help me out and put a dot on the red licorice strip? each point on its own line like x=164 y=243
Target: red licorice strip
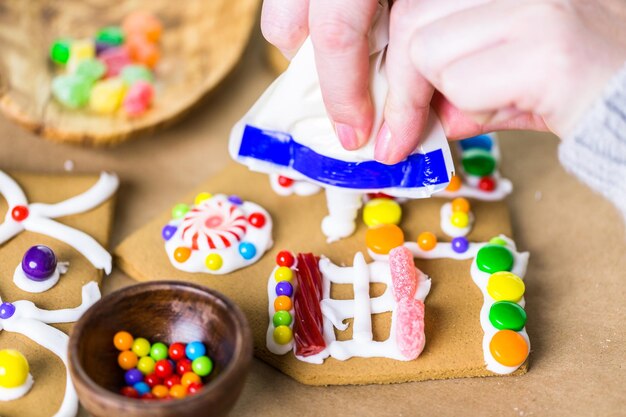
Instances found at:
x=308 y=324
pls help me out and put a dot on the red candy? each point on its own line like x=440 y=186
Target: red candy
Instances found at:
x=171 y=380
x=129 y=392
x=19 y=213
x=115 y=59
x=152 y=380
x=163 y=368
x=138 y=98
x=257 y=220
x=487 y=184
x=285 y=181
x=194 y=388
x=379 y=195
x=403 y=273
x=148 y=396
x=182 y=366
x=177 y=351
x=285 y=258
x=308 y=324
x=410 y=327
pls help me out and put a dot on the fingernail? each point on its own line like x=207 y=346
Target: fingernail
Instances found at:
x=382 y=150
x=347 y=136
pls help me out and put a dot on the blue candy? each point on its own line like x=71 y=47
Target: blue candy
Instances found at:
x=133 y=376
x=195 y=350
x=247 y=250
x=284 y=288
x=477 y=142
x=142 y=388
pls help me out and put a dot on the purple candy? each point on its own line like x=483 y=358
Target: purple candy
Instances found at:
x=6 y=310
x=284 y=288
x=460 y=244
x=168 y=231
x=102 y=46
x=132 y=376
x=39 y=263
x=235 y=200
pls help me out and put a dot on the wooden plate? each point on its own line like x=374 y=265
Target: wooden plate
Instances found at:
x=201 y=43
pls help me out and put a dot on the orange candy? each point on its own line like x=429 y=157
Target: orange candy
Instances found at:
x=123 y=341
x=127 y=360
x=383 y=238
x=426 y=241
x=178 y=391
x=160 y=391
x=508 y=348
x=282 y=302
x=142 y=51
x=181 y=254
x=189 y=378
x=143 y=23
x=460 y=204
x=454 y=184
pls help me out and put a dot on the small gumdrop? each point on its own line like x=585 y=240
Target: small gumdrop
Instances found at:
x=138 y=98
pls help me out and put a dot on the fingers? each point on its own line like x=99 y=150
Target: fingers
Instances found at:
x=408 y=99
x=284 y=24
x=339 y=32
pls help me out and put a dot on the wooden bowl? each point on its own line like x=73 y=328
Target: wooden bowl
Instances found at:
x=168 y=312
x=202 y=41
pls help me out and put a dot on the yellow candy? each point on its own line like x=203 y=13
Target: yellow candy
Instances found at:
x=213 y=262
x=13 y=368
x=381 y=211
x=505 y=286
x=282 y=335
x=283 y=273
x=106 y=96
x=79 y=51
x=202 y=197
x=459 y=219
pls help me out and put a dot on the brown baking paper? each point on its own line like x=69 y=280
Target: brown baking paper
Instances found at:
x=453 y=332
x=49 y=373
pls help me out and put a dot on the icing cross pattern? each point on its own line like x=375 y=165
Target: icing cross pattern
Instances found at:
x=361 y=308
x=25 y=318
x=37 y=217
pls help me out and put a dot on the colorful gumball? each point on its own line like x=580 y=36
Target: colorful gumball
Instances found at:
x=171 y=380
x=202 y=365
x=163 y=368
x=178 y=392
x=189 y=378
x=183 y=366
x=177 y=351
x=194 y=388
x=123 y=341
x=152 y=380
x=132 y=376
x=129 y=392
x=195 y=350
x=127 y=360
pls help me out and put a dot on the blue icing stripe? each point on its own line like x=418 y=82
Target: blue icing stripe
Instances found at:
x=479 y=142
x=278 y=148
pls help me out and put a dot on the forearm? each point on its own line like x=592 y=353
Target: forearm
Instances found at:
x=596 y=150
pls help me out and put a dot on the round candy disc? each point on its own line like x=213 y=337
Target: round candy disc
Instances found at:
x=508 y=348
x=478 y=162
x=383 y=238
x=505 y=286
x=381 y=211
x=39 y=263
x=13 y=368
x=494 y=258
x=505 y=315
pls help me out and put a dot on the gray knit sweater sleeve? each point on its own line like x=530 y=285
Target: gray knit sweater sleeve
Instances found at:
x=596 y=151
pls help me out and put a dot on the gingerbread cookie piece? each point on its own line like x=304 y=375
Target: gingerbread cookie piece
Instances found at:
x=452 y=327
x=79 y=206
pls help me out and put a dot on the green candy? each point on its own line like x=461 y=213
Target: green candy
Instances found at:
x=112 y=35
x=60 y=51
x=202 y=365
x=179 y=211
x=71 y=90
x=282 y=318
x=158 y=351
x=494 y=258
x=497 y=241
x=478 y=162
x=92 y=69
x=505 y=315
x=133 y=73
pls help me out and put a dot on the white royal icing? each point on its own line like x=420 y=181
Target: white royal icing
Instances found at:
x=10 y=394
x=360 y=308
x=26 y=284
x=234 y=219
x=449 y=228
x=299 y=187
x=40 y=217
x=32 y=322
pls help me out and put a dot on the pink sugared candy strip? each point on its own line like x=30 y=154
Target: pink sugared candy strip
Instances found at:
x=115 y=59
x=404 y=275
x=409 y=324
x=138 y=98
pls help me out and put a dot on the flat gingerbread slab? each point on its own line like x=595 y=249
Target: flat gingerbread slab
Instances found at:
x=47 y=369
x=453 y=332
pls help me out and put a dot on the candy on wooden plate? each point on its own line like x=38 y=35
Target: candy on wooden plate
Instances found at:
x=60 y=51
x=143 y=23
x=138 y=98
x=107 y=95
x=115 y=60
x=143 y=51
x=71 y=90
x=92 y=69
x=112 y=35
x=80 y=50
x=137 y=72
